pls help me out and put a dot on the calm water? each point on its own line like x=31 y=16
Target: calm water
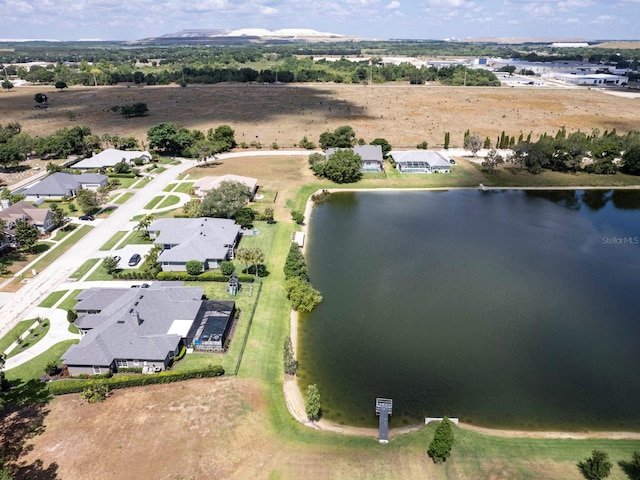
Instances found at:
x=506 y=309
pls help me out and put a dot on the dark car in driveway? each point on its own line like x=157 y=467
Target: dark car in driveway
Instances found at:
x=134 y=260
x=86 y=217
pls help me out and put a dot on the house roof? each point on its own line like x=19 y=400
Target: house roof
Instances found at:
x=62 y=183
x=109 y=157
x=434 y=159
x=20 y=210
x=368 y=153
x=132 y=323
x=209 y=183
x=194 y=238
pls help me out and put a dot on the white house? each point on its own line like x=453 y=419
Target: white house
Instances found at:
x=110 y=157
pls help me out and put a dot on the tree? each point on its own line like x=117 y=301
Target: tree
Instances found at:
x=473 y=142
x=305 y=143
x=192 y=208
x=632 y=468
x=290 y=362
x=492 y=160
x=312 y=405
x=386 y=146
x=59 y=215
x=227 y=268
x=7 y=85
x=631 y=160
x=170 y=138
x=596 y=467
x=138 y=109
x=26 y=234
x=253 y=256
x=245 y=217
x=4 y=383
x=5 y=474
x=442 y=443
x=343 y=166
x=122 y=167
x=110 y=264
x=194 y=267
x=88 y=200
x=51 y=368
x=297 y=217
x=341 y=137
x=144 y=224
x=302 y=295
x=295 y=265
x=223 y=138
x=226 y=200
x=268 y=215
x=60 y=85
x=447 y=140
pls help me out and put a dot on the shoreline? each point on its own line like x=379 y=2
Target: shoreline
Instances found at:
x=293 y=396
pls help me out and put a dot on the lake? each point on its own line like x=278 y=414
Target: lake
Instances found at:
x=512 y=309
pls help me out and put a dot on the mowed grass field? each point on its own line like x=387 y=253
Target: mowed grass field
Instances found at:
x=239 y=427
x=403 y=114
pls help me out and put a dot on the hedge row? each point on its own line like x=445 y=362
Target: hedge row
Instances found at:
x=62 y=387
x=203 y=277
x=134 y=275
x=122 y=175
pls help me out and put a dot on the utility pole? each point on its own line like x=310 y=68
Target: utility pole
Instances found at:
x=370 y=72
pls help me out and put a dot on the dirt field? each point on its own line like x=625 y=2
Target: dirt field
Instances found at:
x=404 y=115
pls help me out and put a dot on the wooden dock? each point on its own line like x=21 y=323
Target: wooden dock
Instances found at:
x=384 y=408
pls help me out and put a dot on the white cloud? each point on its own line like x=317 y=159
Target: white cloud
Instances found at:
x=393 y=5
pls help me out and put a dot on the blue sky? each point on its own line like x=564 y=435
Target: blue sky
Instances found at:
x=135 y=19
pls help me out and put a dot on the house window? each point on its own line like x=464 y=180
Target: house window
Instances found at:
x=96 y=370
x=122 y=363
x=172 y=354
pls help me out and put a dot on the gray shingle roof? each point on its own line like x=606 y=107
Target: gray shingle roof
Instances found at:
x=194 y=238
x=62 y=184
x=132 y=323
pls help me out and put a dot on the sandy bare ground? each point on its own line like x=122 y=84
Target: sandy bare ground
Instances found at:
x=403 y=114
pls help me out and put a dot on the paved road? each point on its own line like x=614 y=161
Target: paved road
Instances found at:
x=36 y=290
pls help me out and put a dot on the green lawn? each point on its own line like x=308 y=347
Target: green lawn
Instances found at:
x=84 y=268
x=34 y=369
x=64 y=231
x=136 y=237
x=39 y=331
x=123 y=198
x=73 y=329
x=141 y=182
x=153 y=202
x=185 y=187
x=170 y=187
x=62 y=247
x=245 y=302
x=70 y=302
x=161 y=169
x=169 y=201
x=113 y=241
x=51 y=300
x=14 y=333
x=99 y=275
x=126 y=182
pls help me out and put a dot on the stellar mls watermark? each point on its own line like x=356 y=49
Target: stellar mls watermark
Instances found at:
x=621 y=240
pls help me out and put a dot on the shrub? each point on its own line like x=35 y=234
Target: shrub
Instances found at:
x=194 y=267
x=442 y=443
x=95 y=393
x=72 y=207
x=227 y=268
x=274 y=146
x=51 y=369
x=423 y=145
x=130 y=370
x=203 y=277
x=297 y=217
x=290 y=363
x=62 y=387
x=312 y=403
x=306 y=143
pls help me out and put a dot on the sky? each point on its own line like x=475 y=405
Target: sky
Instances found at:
x=382 y=19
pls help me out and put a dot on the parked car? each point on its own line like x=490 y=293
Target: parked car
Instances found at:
x=134 y=260
x=452 y=161
x=117 y=257
x=87 y=217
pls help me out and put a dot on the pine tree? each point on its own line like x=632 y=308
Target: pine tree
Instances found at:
x=442 y=443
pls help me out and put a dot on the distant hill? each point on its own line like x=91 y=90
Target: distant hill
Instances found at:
x=245 y=35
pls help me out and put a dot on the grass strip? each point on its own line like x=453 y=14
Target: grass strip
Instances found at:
x=14 y=333
x=84 y=268
x=169 y=201
x=38 y=334
x=123 y=198
x=62 y=247
x=113 y=241
x=52 y=299
x=34 y=368
x=153 y=202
